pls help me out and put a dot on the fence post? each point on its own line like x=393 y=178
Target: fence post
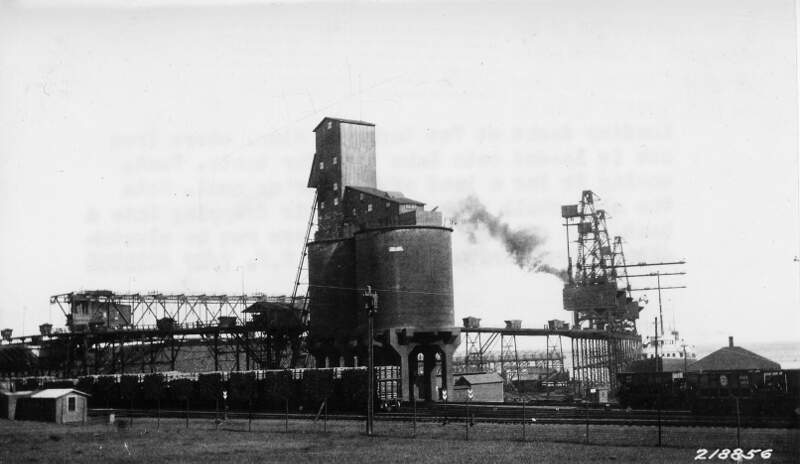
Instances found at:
x=444 y=396
x=738 y=425
x=587 y=422
x=466 y=420
x=224 y=405
x=414 y=401
x=523 y=420
x=325 y=420
x=658 y=402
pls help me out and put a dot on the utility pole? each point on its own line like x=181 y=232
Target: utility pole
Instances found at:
x=370 y=304
x=660 y=311
x=658 y=370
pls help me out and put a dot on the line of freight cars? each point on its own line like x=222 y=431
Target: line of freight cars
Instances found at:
x=344 y=389
x=754 y=393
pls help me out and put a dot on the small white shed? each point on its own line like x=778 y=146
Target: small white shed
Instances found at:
x=59 y=405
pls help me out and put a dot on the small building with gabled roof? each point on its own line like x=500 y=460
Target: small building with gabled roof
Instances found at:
x=59 y=405
x=486 y=387
x=733 y=358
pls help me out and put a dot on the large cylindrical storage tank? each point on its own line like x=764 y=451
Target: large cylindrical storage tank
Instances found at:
x=411 y=268
x=333 y=299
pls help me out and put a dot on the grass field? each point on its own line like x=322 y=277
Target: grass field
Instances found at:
x=203 y=441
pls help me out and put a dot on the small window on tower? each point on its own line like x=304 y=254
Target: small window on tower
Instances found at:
x=330 y=125
x=334 y=160
x=354 y=212
x=321 y=205
x=387 y=204
x=335 y=186
x=321 y=165
x=335 y=202
x=360 y=196
x=369 y=207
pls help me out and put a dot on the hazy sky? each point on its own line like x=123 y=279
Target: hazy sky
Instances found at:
x=161 y=146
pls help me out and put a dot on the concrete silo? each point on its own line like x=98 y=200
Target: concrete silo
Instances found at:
x=382 y=239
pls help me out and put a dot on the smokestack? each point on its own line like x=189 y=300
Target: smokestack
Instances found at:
x=730 y=342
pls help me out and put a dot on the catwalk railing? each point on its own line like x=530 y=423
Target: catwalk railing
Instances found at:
x=145 y=309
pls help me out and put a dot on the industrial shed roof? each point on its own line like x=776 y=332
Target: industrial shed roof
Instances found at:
x=267 y=306
x=396 y=197
x=732 y=357
x=57 y=393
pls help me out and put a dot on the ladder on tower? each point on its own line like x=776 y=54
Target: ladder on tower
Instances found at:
x=301 y=266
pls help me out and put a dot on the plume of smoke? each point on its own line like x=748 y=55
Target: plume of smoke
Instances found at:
x=548 y=269
x=522 y=245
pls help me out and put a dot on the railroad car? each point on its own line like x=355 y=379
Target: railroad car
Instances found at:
x=722 y=392
x=344 y=389
x=752 y=393
x=651 y=390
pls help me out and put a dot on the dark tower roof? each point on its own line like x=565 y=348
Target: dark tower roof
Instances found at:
x=733 y=357
x=346 y=121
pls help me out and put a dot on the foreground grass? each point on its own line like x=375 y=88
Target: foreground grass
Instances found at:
x=203 y=441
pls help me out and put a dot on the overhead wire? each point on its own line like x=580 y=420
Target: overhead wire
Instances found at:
x=386 y=290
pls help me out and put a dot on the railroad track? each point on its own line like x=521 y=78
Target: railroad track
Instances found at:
x=571 y=414
x=487 y=413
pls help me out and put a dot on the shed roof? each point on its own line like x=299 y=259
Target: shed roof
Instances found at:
x=57 y=393
x=732 y=357
x=346 y=121
x=267 y=306
x=478 y=379
x=396 y=197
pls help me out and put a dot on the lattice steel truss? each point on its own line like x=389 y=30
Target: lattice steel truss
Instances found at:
x=124 y=333
x=185 y=310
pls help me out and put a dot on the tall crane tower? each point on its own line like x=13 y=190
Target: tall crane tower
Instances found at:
x=597 y=292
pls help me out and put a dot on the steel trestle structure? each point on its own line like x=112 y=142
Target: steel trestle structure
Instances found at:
x=147 y=308
x=596 y=355
x=113 y=333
